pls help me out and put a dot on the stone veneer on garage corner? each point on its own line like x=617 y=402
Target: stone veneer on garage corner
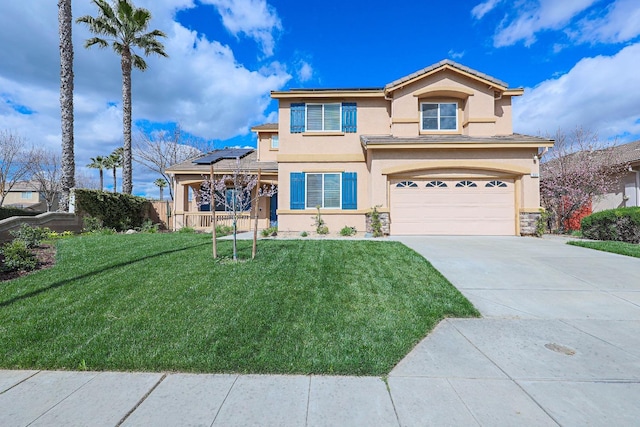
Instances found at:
x=528 y=223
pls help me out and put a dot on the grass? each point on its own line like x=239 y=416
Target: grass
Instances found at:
x=159 y=302
x=621 y=248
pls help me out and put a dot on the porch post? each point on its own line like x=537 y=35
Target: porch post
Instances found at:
x=212 y=203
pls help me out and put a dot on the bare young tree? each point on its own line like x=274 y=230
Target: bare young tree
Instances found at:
x=14 y=162
x=162 y=150
x=84 y=180
x=576 y=171
x=47 y=175
x=236 y=192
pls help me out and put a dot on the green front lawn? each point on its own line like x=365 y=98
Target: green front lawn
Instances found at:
x=159 y=302
x=621 y=248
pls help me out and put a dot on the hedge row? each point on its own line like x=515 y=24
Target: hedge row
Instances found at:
x=115 y=210
x=622 y=224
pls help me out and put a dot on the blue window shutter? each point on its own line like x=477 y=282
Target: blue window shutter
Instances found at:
x=297 y=190
x=349 y=190
x=297 y=117
x=349 y=117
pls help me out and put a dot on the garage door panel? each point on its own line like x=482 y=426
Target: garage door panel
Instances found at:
x=477 y=210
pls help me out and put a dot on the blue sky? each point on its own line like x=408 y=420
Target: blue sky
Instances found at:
x=576 y=59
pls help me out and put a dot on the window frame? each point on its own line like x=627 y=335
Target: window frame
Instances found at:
x=324 y=129
x=26 y=195
x=323 y=204
x=275 y=146
x=439 y=116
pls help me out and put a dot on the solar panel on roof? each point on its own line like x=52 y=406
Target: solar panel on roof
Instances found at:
x=227 y=153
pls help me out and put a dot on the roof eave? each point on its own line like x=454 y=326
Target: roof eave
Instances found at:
x=337 y=93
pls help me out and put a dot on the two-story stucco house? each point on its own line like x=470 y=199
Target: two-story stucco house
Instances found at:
x=434 y=151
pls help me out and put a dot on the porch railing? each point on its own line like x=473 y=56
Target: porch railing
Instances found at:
x=202 y=220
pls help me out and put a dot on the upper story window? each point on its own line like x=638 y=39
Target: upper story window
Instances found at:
x=324 y=117
x=27 y=194
x=275 y=142
x=439 y=116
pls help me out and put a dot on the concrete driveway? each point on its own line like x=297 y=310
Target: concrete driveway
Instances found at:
x=559 y=342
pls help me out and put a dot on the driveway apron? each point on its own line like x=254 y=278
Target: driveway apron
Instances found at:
x=558 y=343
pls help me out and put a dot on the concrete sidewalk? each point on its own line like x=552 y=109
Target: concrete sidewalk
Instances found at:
x=559 y=345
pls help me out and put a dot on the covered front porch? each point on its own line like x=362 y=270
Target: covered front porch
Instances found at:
x=190 y=210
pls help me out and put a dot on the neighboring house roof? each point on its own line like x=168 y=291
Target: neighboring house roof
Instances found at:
x=25 y=186
x=249 y=163
x=629 y=153
x=266 y=127
x=368 y=140
x=620 y=154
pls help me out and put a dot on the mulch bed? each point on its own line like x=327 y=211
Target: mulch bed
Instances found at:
x=46 y=255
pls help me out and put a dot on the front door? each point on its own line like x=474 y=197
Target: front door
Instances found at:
x=273 y=209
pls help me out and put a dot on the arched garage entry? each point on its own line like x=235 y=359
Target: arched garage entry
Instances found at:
x=454 y=199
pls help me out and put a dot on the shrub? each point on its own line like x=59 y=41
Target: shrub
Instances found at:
x=271 y=231
x=188 y=230
x=622 y=224
x=116 y=210
x=319 y=224
x=376 y=224
x=541 y=223
x=18 y=257
x=304 y=234
x=91 y=224
x=31 y=236
x=149 y=227
x=347 y=231
x=223 y=230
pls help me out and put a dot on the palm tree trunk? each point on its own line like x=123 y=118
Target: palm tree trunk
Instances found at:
x=115 y=180
x=66 y=101
x=127 y=175
x=101 y=179
x=161 y=195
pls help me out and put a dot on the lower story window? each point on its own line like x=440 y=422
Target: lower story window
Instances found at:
x=323 y=189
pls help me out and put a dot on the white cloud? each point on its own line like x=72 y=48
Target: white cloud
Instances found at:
x=538 y=15
x=483 y=8
x=305 y=72
x=456 y=55
x=201 y=85
x=579 y=97
x=254 y=18
x=620 y=24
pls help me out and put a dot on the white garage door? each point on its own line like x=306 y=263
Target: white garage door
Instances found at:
x=453 y=207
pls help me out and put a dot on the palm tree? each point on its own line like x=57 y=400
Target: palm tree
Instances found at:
x=101 y=164
x=114 y=161
x=124 y=27
x=68 y=164
x=161 y=183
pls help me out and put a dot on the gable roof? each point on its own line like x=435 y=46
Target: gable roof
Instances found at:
x=446 y=64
